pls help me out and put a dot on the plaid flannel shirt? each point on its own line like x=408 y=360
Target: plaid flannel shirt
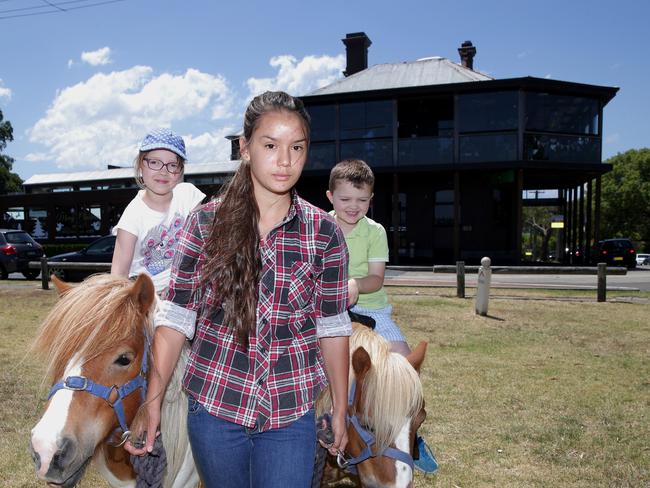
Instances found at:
x=302 y=296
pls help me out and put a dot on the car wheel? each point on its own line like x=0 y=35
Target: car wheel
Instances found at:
x=3 y=273
x=59 y=273
x=31 y=274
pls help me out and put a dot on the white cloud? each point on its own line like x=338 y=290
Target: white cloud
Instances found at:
x=99 y=57
x=101 y=120
x=613 y=139
x=523 y=54
x=299 y=77
x=4 y=91
x=209 y=147
x=70 y=63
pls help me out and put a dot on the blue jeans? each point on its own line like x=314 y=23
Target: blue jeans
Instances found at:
x=230 y=455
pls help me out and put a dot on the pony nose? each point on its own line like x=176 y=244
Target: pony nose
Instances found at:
x=64 y=455
x=36 y=457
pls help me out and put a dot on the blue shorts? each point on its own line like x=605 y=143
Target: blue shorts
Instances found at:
x=384 y=324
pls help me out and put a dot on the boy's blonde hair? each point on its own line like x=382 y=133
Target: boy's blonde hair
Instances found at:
x=354 y=171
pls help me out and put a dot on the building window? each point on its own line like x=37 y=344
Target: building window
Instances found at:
x=366 y=120
x=487 y=112
x=374 y=152
x=425 y=130
x=323 y=122
x=547 y=112
x=488 y=147
x=444 y=208
x=322 y=155
x=546 y=147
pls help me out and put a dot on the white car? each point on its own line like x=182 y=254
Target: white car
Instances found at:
x=642 y=259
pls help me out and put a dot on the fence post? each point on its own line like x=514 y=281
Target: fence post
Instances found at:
x=602 y=282
x=45 y=274
x=460 y=279
x=483 y=287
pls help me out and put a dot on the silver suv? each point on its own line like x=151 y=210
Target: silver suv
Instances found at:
x=17 y=249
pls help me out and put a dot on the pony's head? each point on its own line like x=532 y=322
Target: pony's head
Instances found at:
x=388 y=403
x=95 y=331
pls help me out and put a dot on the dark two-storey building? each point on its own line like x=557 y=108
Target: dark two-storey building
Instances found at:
x=452 y=148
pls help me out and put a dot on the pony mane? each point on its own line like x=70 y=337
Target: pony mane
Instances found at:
x=392 y=391
x=89 y=319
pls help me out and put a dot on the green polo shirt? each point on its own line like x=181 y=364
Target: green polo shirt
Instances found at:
x=367 y=243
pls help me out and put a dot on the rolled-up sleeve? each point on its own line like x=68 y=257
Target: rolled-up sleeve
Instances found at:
x=179 y=309
x=332 y=319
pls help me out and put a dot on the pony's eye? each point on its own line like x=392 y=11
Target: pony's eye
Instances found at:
x=123 y=360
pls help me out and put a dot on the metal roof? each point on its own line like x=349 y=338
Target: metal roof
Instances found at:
x=124 y=173
x=423 y=72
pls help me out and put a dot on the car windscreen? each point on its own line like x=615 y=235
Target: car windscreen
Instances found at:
x=18 y=238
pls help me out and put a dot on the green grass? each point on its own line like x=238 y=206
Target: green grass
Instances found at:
x=551 y=390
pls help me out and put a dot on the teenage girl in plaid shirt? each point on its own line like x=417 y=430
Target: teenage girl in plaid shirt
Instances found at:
x=259 y=285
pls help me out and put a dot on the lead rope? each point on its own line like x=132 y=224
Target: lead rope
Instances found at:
x=150 y=469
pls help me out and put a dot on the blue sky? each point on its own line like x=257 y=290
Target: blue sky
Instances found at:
x=81 y=87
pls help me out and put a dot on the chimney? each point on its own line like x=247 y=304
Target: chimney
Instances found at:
x=356 y=50
x=234 y=147
x=467 y=52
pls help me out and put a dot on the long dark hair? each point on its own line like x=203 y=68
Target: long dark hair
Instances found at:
x=233 y=264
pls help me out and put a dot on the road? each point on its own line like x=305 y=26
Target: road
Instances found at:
x=636 y=279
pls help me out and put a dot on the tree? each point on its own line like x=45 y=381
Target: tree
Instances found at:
x=9 y=182
x=626 y=197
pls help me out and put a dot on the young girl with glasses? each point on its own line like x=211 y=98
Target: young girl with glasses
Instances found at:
x=259 y=284
x=148 y=231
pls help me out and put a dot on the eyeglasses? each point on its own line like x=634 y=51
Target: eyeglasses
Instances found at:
x=156 y=164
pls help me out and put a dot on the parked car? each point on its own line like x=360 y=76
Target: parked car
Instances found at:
x=99 y=251
x=643 y=259
x=17 y=249
x=616 y=252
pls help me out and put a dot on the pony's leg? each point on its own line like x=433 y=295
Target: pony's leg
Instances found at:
x=181 y=472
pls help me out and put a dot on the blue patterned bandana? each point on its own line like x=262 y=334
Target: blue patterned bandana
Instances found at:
x=164 y=139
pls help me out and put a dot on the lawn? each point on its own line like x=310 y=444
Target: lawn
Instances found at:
x=550 y=390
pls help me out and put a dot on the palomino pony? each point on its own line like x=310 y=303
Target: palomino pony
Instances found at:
x=96 y=340
x=386 y=408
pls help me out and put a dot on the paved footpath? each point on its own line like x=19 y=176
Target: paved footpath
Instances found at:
x=634 y=280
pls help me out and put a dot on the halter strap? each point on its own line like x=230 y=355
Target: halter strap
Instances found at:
x=369 y=441
x=81 y=383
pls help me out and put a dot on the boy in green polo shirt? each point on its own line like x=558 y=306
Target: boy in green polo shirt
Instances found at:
x=350 y=192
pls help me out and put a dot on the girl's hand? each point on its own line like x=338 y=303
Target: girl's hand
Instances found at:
x=340 y=430
x=147 y=420
x=353 y=292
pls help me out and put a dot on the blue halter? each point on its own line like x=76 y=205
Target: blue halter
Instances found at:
x=81 y=383
x=369 y=441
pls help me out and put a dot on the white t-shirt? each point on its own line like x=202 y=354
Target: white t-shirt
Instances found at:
x=157 y=232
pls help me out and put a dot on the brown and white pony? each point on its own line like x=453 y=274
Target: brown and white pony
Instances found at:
x=387 y=405
x=96 y=335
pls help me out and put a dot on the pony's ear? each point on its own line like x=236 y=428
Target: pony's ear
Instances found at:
x=60 y=285
x=360 y=363
x=143 y=292
x=416 y=358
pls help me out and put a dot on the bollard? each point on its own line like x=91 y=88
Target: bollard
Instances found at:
x=483 y=287
x=45 y=274
x=460 y=279
x=602 y=282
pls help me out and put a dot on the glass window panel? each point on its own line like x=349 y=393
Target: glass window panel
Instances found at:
x=428 y=117
x=323 y=122
x=321 y=156
x=544 y=147
x=428 y=150
x=492 y=147
x=363 y=120
x=375 y=152
x=482 y=112
x=561 y=113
